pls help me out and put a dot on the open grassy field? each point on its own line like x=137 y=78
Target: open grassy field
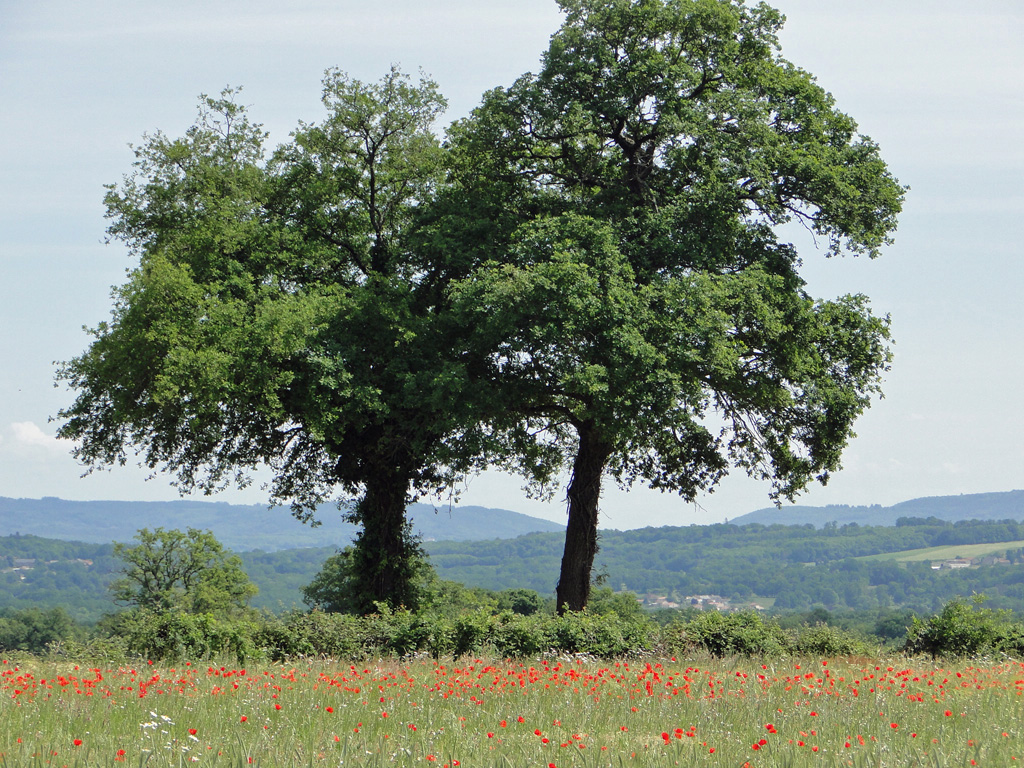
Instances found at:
x=551 y=713
x=946 y=553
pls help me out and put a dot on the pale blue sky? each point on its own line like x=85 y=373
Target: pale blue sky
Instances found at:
x=940 y=85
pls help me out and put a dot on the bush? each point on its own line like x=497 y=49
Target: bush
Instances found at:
x=725 y=634
x=961 y=629
x=516 y=636
x=471 y=631
x=607 y=636
x=525 y=602
x=389 y=632
x=172 y=635
x=403 y=633
x=828 y=641
x=336 y=635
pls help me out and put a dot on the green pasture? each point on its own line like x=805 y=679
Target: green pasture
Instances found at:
x=951 y=552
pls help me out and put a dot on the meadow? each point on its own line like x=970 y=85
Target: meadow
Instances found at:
x=946 y=552
x=547 y=712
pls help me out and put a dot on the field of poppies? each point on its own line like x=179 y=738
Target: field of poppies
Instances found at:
x=550 y=712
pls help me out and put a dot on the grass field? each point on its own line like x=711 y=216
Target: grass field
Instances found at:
x=946 y=553
x=551 y=713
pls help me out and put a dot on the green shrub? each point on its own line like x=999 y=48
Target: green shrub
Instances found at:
x=177 y=635
x=471 y=631
x=525 y=602
x=296 y=634
x=517 y=636
x=403 y=633
x=726 y=634
x=963 y=629
x=388 y=632
x=607 y=636
x=603 y=601
x=827 y=641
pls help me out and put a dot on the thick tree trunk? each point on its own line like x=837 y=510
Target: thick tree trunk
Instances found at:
x=584 y=493
x=384 y=549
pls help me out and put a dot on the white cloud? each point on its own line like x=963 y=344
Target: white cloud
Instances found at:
x=29 y=435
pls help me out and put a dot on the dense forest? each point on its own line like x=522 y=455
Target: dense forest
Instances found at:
x=788 y=567
x=784 y=568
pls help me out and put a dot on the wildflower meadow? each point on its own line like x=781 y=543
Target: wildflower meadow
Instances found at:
x=550 y=712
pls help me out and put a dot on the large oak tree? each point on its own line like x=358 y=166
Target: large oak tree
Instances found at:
x=280 y=315
x=641 y=312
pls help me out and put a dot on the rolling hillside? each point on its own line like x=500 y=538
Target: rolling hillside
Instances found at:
x=1008 y=505
x=947 y=552
x=790 y=567
x=243 y=528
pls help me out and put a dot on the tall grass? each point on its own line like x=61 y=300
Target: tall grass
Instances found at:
x=491 y=712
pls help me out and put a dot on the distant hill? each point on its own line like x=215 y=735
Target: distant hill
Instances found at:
x=973 y=506
x=244 y=527
x=797 y=567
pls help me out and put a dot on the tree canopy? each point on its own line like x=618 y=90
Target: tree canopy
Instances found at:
x=644 y=315
x=280 y=316
x=586 y=277
x=185 y=571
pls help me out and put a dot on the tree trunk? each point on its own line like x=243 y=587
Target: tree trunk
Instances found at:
x=583 y=494
x=385 y=552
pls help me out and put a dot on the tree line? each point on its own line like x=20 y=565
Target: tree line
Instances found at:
x=184 y=596
x=741 y=563
x=583 y=278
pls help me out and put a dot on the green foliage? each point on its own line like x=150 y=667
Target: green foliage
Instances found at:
x=332 y=589
x=451 y=598
x=587 y=270
x=174 y=635
x=726 y=634
x=604 y=601
x=314 y=633
x=607 y=635
x=964 y=629
x=798 y=567
x=393 y=633
x=638 y=283
x=956 y=631
x=515 y=636
x=183 y=572
x=751 y=564
x=385 y=563
x=829 y=642
x=341 y=585
x=747 y=633
x=280 y=316
x=524 y=602
x=472 y=631
x=35 y=630
x=893 y=625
